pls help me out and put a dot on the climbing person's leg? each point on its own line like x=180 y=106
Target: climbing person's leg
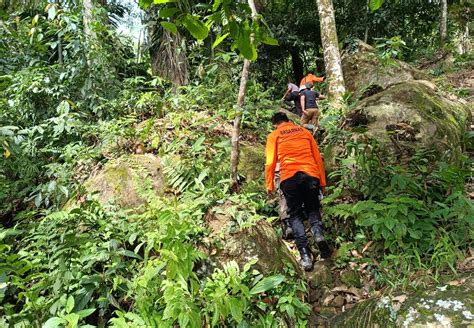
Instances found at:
x=293 y=191
x=313 y=208
x=315 y=117
x=283 y=210
x=309 y=116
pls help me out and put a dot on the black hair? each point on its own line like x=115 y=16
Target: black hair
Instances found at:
x=279 y=117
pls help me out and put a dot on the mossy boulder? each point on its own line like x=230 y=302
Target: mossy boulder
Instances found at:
x=351 y=278
x=252 y=161
x=411 y=115
x=442 y=306
x=365 y=71
x=321 y=276
x=230 y=242
x=128 y=181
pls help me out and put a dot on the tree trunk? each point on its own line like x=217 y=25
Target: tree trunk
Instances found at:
x=443 y=24
x=234 y=156
x=465 y=46
x=332 y=58
x=297 y=63
x=60 y=44
x=366 y=33
x=87 y=18
x=167 y=51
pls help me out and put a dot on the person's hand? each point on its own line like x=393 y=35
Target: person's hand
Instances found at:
x=305 y=112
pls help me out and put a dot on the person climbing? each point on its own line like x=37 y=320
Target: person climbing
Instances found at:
x=310 y=78
x=291 y=87
x=309 y=105
x=292 y=94
x=287 y=232
x=302 y=176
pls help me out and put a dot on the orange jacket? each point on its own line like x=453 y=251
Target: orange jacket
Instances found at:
x=294 y=147
x=310 y=78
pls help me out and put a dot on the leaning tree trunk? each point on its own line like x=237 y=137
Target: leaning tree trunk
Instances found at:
x=234 y=156
x=332 y=58
x=443 y=24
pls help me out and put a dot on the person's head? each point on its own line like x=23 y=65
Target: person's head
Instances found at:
x=308 y=85
x=279 y=118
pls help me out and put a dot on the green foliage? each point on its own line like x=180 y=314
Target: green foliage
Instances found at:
x=231 y=19
x=418 y=209
x=390 y=49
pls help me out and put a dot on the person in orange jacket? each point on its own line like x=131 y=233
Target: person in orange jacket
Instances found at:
x=310 y=78
x=302 y=176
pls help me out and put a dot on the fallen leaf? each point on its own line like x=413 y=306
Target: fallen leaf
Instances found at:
x=341 y=288
x=366 y=247
x=400 y=298
x=355 y=253
x=328 y=300
x=457 y=282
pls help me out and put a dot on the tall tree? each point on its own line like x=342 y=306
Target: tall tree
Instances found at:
x=87 y=18
x=234 y=156
x=332 y=58
x=443 y=24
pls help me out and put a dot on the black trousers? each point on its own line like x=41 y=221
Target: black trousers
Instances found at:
x=302 y=189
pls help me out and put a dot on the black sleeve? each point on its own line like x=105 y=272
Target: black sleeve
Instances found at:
x=317 y=94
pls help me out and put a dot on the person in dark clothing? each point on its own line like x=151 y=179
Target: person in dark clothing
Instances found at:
x=302 y=177
x=295 y=97
x=309 y=105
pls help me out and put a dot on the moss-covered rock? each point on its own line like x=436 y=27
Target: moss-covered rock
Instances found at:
x=252 y=161
x=443 y=306
x=364 y=70
x=128 y=181
x=412 y=115
x=257 y=242
x=321 y=275
x=351 y=278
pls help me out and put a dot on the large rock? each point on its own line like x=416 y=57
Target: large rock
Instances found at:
x=256 y=242
x=128 y=181
x=252 y=161
x=365 y=72
x=411 y=115
x=444 y=306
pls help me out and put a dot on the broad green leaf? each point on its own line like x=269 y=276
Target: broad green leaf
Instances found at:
x=196 y=27
x=54 y=322
x=270 y=41
x=245 y=44
x=219 y=40
x=69 y=304
x=85 y=313
x=267 y=284
x=375 y=4
x=169 y=26
x=167 y=12
x=163 y=1
x=72 y=320
x=145 y=3
x=126 y=252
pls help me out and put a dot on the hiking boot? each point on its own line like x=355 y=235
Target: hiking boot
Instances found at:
x=287 y=230
x=306 y=261
x=321 y=242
